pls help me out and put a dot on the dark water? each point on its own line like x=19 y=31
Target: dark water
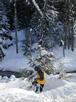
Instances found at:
x=9 y=73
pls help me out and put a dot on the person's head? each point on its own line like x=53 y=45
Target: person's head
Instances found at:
x=37 y=68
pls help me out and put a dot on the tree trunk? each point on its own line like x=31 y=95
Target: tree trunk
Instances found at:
x=15 y=22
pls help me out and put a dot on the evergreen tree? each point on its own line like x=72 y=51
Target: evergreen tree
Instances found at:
x=4 y=25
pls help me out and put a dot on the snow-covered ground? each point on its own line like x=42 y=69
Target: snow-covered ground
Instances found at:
x=68 y=62
x=16 y=62
x=55 y=90
x=21 y=34
x=13 y=61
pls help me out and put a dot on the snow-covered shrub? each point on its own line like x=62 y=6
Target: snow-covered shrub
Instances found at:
x=25 y=72
x=12 y=78
x=49 y=68
x=59 y=68
x=4 y=79
x=43 y=58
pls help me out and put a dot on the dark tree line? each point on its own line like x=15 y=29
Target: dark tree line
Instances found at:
x=44 y=17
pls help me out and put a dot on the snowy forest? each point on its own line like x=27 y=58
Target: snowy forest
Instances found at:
x=37 y=50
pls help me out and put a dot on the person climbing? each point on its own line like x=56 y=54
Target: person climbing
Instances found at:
x=40 y=80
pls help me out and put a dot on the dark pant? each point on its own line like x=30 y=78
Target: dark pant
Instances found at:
x=41 y=86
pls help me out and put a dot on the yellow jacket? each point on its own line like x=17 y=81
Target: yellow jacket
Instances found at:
x=41 y=81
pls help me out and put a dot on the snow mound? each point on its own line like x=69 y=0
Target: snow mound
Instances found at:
x=55 y=90
x=18 y=95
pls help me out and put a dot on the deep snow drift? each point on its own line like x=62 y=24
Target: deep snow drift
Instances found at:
x=55 y=90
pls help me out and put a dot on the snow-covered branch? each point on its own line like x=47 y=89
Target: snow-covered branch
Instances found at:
x=37 y=7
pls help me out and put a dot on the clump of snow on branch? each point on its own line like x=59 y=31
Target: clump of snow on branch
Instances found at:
x=43 y=58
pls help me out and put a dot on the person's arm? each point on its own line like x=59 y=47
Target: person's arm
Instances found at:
x=32 y=76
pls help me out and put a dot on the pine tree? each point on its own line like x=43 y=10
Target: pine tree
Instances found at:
x=4 y=26
x=43 y=58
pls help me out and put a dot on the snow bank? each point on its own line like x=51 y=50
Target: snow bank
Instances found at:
x=68 y=62
x=13 y=61
x=55 y=90
x=21 y=35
